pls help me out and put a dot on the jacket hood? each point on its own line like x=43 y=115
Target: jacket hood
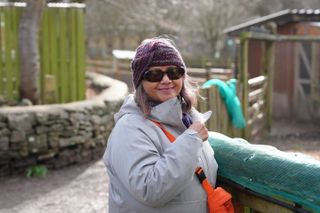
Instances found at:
x=129 y=106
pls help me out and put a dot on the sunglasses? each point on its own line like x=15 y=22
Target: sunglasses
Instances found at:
x=156 y=75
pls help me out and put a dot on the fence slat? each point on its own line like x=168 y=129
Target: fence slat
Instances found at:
x=64 y=58
x=2 y=33
x=80 y=54
x=72 y=67
x=8 y=64
x=16 y=12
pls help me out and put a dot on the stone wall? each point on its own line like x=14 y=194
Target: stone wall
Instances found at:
x=61 y=134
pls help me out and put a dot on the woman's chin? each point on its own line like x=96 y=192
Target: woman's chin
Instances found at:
x=165 y=97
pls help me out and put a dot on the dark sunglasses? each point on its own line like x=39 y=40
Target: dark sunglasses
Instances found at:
x=173 y=73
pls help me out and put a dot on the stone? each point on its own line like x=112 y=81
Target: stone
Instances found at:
x=64 y=115
x=42 y=118
x=4 y=143
x=65 y=142
x=53 y=142
x=17 y=136
x=41 y=129
x=46 y=156
x=24 y=151
x=4 y=132
x=56 y=128
x=68 y=133
x=22 y=122
x=2 y=125
x=38 y=144
x=96 y=120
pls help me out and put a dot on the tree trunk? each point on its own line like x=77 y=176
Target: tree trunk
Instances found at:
x=29 y=50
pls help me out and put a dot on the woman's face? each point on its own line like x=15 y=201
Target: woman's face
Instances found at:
x=164 y=89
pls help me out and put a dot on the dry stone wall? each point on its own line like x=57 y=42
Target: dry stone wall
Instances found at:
x=62 y=134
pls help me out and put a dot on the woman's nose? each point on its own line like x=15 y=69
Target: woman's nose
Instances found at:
x=165 y=79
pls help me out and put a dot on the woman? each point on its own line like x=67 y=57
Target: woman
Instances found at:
x=147 y=172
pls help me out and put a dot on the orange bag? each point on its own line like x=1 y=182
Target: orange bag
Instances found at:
x=219 y=200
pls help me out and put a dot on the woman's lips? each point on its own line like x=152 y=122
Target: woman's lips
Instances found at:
x=166 y=90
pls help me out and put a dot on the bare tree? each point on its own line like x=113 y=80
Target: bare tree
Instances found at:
x=197 y=25
x=28 y=45
x=208 y=19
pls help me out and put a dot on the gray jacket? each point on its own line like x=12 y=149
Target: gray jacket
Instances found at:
x=147 y=173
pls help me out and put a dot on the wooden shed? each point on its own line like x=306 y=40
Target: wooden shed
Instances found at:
x=296 y=74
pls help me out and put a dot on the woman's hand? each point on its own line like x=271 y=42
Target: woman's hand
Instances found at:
x=201 y=129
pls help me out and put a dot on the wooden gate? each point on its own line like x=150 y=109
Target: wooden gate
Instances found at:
x=307 y=81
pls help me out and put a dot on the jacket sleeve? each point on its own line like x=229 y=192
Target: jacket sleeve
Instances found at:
x=151 y=178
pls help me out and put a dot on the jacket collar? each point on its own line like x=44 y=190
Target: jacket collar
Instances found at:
x=168 y=112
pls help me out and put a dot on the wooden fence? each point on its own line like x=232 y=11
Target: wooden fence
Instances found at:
x=9 y=61
x=112 y=67
x=256 y=110
x=62 y=52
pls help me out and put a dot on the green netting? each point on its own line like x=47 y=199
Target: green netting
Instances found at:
x=266 y=170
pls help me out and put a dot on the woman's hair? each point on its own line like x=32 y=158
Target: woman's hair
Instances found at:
x=188 y=96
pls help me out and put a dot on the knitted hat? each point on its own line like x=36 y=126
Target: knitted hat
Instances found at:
x=154 y=52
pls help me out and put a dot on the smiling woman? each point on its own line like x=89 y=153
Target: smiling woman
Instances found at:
x=159 y=138
x=163 y=83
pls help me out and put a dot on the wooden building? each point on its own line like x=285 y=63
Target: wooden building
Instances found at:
x=296 y=74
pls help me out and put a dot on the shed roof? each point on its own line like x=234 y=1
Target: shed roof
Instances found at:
x=280 y=18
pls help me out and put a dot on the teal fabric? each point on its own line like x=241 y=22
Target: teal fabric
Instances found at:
x=228 y=93
x=269 y=171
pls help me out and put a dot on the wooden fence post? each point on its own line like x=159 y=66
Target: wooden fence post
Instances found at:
x=244 y=46
x=269 y=73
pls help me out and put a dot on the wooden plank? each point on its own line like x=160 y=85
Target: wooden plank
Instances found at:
x=8 y=59
x=254 y=202
x=270 y=51
x=15 y=38
x=257 y=106
x=271 y=37
x=18 y=18
x=210 y=94
x=315 y=69
x=256 y=94
x=81 y=55
x=53 y=48
x=44 y=51
x=64 y=59
x=244 y=45
x=224 y=118
x=2 y=43
x=202 y=102
x=258 y=116
x=257 y=81
x=107 y=63
x=73 y=49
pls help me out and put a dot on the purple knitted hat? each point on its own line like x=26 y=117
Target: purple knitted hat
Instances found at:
x=154 y=52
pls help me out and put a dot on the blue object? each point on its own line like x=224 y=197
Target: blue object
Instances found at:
x=228 y=93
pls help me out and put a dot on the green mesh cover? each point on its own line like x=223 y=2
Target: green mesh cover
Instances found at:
x=266 y=170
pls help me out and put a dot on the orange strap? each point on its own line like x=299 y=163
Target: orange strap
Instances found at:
x=219 y=200
x=168 y=134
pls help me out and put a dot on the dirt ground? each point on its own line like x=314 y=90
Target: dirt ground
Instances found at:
x=79 y=188
x=294 y=137
x=83 y=188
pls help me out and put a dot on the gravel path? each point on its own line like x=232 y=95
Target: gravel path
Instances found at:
x=79 y=188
